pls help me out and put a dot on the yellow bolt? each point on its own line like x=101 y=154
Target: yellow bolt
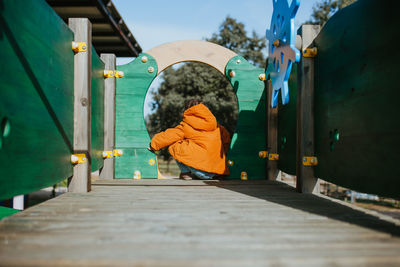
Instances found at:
x=243 y=175
x=152 y=162
x=137 y=175
x=118 y=152
x=230 y=162
x=108 y=73
x=144 y=59
x=119 y=74
x=262 y=77
x=276 y=43
x=263 y=154
x=150 y=69
x=232 y=73
x=74 y=159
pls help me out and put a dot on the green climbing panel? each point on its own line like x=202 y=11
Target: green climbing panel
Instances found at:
x=249 y=137
x=97 y=111
x=287 y=128
x=36 y=97
x=130 y=133
x=357 y=112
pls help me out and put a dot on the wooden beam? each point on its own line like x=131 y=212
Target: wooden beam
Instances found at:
x=80 y=181
x=199 y=51
x=306 y=182
x=272 y=135
x=107 y=172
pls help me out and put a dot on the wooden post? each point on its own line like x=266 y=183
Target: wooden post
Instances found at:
x=107 y=172
x=306 y=182
x=272 y=135
x=80 y=181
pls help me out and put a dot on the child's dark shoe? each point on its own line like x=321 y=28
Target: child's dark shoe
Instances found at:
x=185 y=176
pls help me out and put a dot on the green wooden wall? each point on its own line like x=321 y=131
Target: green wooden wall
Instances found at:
x=249 y=137
x=97 y=111
x=287 y=135
x=130 y=131
x=36 y=97
x=357 y=113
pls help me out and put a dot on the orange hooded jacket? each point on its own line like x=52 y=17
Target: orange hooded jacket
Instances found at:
x=198 y=141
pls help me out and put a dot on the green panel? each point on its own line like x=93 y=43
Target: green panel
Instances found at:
x=97 y=111
x=249 y=137
x=131 y=132
x=36 y=97
x=6 y=212
x=138 y=159
x=357 y=113
x=287 y=128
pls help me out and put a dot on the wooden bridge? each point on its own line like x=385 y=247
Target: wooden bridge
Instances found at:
x=197 y=223
x=78 y=110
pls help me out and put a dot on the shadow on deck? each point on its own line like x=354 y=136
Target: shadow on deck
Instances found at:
x=181 y=223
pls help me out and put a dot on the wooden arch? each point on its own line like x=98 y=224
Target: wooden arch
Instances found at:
x=211 y=54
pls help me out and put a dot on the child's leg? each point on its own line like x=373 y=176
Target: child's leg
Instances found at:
x=183 y=167
x=200 y=174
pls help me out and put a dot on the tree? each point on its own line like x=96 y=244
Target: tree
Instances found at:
x=197 y=80
x=325 y=9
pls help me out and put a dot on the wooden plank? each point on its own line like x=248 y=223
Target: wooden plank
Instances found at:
x=306 y=181
x=36 y=98
x=82 y=28
x=97 y=111
x=357 y=99
x=287 y=137
x=185 y=223
x=109 y=117
x=272 y=135
x=191 y=50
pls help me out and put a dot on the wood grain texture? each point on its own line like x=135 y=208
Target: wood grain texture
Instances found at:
x=36 y=97
x=272 y=136
x=306 y=182
x=108 y=170
x=357 y=112
x=196 y=223
x=97 y=111
x=82 y=28
x=212 y=54
x=287 y=137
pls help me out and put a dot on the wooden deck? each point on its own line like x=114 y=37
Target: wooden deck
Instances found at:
x=196 y=223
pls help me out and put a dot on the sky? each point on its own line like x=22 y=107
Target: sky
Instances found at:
x=155 y=22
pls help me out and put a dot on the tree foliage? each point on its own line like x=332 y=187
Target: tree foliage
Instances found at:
x=325 y=9
x=197 y=80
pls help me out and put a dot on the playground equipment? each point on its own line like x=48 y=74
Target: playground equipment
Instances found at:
x=248 y=84
x=346 y=87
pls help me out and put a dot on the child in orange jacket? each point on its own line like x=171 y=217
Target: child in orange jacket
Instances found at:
x=199 y=144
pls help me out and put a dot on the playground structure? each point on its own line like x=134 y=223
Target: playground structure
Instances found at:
x=350 y=145
x=67 y=112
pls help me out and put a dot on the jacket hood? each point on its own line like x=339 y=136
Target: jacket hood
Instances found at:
x=200 y=118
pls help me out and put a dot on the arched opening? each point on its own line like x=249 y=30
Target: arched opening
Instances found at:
x=246 y=79
x=172 y=88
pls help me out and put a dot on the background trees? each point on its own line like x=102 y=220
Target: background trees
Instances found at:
x=323 y=10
